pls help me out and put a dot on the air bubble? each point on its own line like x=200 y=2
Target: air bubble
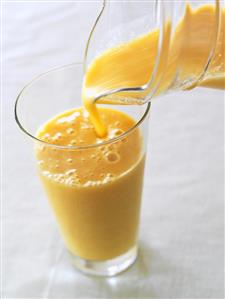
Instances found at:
x=108 y=178
x=102 y=148
x=115 y=133
x=69 y=160
x=88 y=184
x=70 y=131
x=85 y=126
x=112 y=157
x=46 y=137
x=118 y=132
x=109 y=175
x=110 y=147
x=56 y=137
x=73 y=142
x=70 y=181
x=59 y=180
x=71 y=172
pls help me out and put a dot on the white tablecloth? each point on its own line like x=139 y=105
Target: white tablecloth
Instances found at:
x=182 y=233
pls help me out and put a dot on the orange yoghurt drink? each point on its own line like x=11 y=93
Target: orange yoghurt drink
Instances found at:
x=96 y=191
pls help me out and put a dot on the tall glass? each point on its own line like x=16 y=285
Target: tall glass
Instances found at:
x=98 y=222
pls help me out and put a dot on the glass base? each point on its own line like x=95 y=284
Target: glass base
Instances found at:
x=105 y=268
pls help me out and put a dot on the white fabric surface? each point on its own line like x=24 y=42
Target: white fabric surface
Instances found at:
x=182 y=227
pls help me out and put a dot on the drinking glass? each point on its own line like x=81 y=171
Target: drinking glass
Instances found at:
x=98 y=222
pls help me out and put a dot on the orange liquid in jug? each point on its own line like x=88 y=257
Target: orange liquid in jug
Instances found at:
x=184 y=57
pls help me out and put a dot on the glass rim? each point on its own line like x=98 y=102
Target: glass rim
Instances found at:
x=67 y=147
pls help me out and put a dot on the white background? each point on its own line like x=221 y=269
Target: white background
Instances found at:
x=182 y=227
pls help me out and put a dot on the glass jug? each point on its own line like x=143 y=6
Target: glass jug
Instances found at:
x=184 y=49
